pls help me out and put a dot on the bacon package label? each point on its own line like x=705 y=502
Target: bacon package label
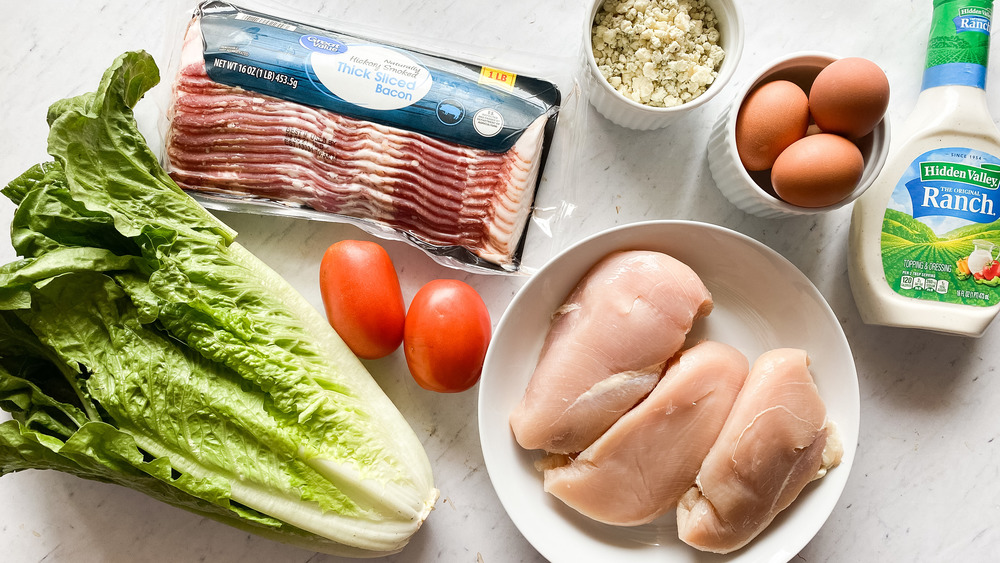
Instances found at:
x=445 y=153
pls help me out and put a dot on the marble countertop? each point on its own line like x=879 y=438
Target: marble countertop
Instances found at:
x=925 y=485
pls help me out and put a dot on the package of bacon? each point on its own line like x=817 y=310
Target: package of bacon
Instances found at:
x=275 y=116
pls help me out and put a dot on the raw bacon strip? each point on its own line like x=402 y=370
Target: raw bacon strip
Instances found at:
x=227 y=140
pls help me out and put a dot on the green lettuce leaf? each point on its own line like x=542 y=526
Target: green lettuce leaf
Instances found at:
x=141 y=345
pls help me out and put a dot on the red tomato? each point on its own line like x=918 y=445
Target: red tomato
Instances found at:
x=362 y=297
x=991 y=270
x=447 y=333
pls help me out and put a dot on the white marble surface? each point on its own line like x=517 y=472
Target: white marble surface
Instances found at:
x=926 y=482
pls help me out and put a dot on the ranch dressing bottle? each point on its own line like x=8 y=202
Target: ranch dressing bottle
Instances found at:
x=936 y=202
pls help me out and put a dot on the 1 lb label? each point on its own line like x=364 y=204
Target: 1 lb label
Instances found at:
x=941 y=231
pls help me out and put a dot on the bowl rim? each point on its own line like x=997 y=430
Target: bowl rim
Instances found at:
x=725 y=73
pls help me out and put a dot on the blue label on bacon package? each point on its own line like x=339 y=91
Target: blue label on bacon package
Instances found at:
x=367 y=80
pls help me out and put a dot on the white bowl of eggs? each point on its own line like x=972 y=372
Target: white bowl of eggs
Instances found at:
x=805 y=135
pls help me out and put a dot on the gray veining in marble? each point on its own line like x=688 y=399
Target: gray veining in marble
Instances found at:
x=926 y=483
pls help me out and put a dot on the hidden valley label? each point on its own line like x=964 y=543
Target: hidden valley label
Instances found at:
x=959 y=45
x=941 y=231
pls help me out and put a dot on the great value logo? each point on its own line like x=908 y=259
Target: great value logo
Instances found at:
x=322 y=44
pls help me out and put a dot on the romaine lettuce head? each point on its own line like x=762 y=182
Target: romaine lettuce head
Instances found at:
x=141 y=345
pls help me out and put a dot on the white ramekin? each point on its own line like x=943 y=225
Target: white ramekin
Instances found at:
x=752 y=192
x=633 y=115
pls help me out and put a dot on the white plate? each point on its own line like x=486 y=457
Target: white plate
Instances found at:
x=762 y=302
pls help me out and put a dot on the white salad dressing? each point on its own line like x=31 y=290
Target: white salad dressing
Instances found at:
x=921 y=234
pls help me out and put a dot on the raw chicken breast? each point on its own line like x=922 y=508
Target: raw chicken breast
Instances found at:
x=607 y=348
x=636 y=471
x=777 y=439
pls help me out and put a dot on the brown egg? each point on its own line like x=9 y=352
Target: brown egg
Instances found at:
x=772 y=117
x=817 y=170
x=849 y=97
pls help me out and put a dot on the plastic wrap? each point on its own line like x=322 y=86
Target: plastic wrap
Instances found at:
x=331 y=121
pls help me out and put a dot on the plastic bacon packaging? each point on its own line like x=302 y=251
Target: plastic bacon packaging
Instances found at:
x=275 y=116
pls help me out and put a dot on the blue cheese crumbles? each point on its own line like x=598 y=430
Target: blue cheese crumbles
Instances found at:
x=661 y=53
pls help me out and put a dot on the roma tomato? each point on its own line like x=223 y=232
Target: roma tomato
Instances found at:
x=446 y=336
x=362 y=297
